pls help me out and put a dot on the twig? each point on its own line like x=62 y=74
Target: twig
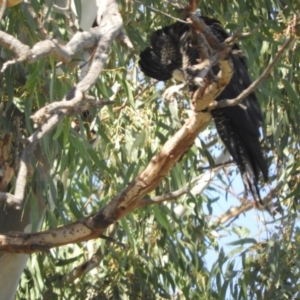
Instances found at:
x=239 y=34
x=206 y=178
x=115 y=109
x=232 y=212
x=39 y=23
x=216 y=166
x=235 y=211
x=146 y=88
x=95 y=260
x=122 y=37
x=161 y=12
x=163 y=198
x=112 y=240
x=124 y=104
x=68 y=13
x=251 y=32
x=2 y=9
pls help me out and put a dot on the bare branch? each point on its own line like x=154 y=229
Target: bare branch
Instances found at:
x=199 y=25
x=160 y=12
x=203 y=178
x=85 y=267
x=2 y=8
x=251 y=32
x=131 y=197
x=48 y=117
x=216 y=166
x=163 y=198
x=124 y=39
x=94 y=261
x=6 y=171
x=235 y=211
x=109 y=28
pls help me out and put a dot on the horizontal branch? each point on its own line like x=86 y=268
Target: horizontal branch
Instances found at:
x=195 y=187
x=63 y=53
x=163 y=198
x=235 y=211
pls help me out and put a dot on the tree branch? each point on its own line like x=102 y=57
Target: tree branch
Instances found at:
x=131 y=197
x=235 y=211
x=2 y=8
x=48 y=117
x=94 y=261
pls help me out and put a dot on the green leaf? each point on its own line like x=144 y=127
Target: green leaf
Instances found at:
x=64 y=262
x=243 y=242
x=129 y=93
x=139 y=141
x=161 y=218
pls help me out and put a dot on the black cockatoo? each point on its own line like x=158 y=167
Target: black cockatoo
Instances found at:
x=171 y=52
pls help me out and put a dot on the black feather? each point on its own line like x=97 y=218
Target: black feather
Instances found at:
x=237 y=127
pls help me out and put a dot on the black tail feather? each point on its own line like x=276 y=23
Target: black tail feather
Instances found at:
x=245 y=149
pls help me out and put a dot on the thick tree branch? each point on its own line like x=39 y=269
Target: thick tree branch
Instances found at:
x=48 y=117
x=131 y=197
x=205 y=179
x=102 y=36
x=120 y=205
x=95 y=260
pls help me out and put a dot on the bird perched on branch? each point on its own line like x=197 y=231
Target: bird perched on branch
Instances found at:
x=171 y=54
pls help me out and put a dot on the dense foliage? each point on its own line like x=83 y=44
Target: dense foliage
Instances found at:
x=164 y=254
